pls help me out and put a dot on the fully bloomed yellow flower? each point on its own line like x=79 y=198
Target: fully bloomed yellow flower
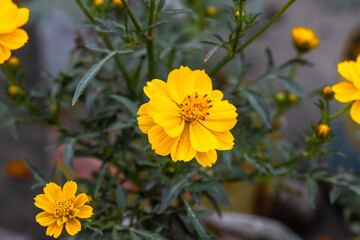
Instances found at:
x=348 y=91
x=304 y=39
x=62 y=207
x=11 y=37
x=186 y=118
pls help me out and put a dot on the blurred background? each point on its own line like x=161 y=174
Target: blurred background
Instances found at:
x=53 y=29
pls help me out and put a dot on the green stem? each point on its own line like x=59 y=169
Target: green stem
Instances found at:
x=341 y=112
x=150 y=42
x=231 y=55
x=239 y=24
x=132 y=17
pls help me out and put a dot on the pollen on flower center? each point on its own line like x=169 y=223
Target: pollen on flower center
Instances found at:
x=195 y=107
x=63 y=207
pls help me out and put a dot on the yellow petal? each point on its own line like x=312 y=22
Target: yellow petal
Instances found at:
x=5 y=54
x=201 y=138
x=69 y=189
x=52 y=191
x=61 y=220
x=206 y=159
x=159 y=104
x=355 y=112
x=183 y=150
x=54 y=230
x=172 y=123
x=14 y=40
x=80 y=200
x=73 y=226
x=226 y=140
x=160 y=141
x=8 y=16
x=156 y=86
x=181 y=83
x=23 y=17
x=202 y=81
x=350 y=71
x=85 y=211
x=216 y=95
x=73 y=212
x=221 y=118
x=145 y=122
x=345 y=92
x=42 y=202
x=45 y=219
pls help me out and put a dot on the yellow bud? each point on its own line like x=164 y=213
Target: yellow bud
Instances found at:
x=293 y=98
x=237 y=14
x=323 y=130
x=211 y=11
x=13 y=90
x=90 y=200
x=327 y=93
x=98 y=3
x=280 y=96
x=13 y=62
x=117 y=3
x=304 y=39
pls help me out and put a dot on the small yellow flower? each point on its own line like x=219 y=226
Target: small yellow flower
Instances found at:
x=117 y=3
x=304 y=39
x=62 y=207
x=280 y=96
x=211 y=10
x=348 y=91
x=13 y=62
x=327 y=93
x=11 y=36
x=98 y=3
x=323 y=130
x=13 y=90
x=293 y=98
x=186 y=118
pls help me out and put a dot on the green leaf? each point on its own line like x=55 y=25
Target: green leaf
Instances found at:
x=132 y=107
x=171 y=191
x=334 y=194
x=120 y=199
x=148 y=235
x=312 y=188
x=270 y=59
x=203 y=212
x=37 y=174
x=210 y=53
x=119 y=125
x=197 y=222
x=90 y=75
x=290 y=85
x=97 y=49
x=261 y=107
x=133 y=236
x=100 y=179
x=68 y=153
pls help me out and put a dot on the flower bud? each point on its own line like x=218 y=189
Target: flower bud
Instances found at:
x=293 y=98
x=304 y=39
x=323 y=130
x=280 y=96
x=327 y=93
x=98 y=3
x=13 y=62
x=211 y=11
x=117 y=3
x=13 y=90
x=16 y=169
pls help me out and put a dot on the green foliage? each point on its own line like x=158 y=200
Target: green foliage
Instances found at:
x=138 y=194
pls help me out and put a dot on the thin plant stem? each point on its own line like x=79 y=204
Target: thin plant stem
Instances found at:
x=341 y=112
x=150 y=42
x=231 y=55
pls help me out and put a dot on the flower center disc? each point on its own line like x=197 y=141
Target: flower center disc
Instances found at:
x=63 y=207
x=195 y=107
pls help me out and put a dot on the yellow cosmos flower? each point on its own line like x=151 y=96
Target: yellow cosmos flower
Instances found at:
x=304 y=39
x=11 y=37
x=348 y=91
x=61 y=207
x=186 y=118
